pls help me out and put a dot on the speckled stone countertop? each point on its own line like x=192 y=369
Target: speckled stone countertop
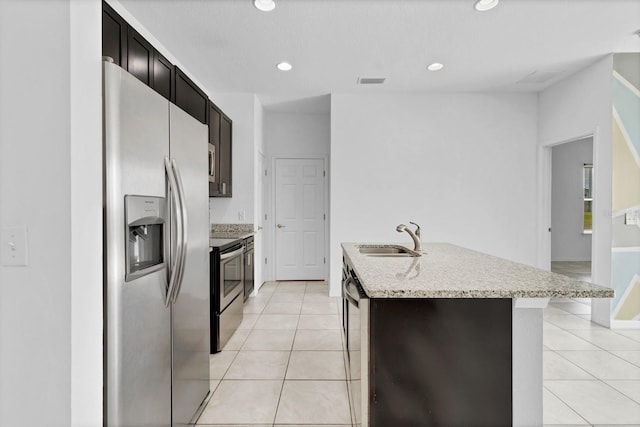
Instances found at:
x=231 y=231
x=449 y=271
x=231 y=234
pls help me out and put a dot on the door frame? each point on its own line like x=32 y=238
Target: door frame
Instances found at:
x=600 y=308
x=549 y=153
x=260 y=225
x=270 y=224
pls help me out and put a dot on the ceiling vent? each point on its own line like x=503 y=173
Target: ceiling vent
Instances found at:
x=538 y=77
x=371 y=80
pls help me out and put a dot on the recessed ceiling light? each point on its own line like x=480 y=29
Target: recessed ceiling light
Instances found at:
x=264 y=5
x=284 y=66
x=436 y=66
x=484 y=5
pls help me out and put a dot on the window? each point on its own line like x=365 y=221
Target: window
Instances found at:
x=587 y=194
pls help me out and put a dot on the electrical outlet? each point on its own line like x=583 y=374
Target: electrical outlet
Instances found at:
x=240 y=215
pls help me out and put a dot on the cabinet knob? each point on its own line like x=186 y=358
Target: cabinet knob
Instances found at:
x=280 y=226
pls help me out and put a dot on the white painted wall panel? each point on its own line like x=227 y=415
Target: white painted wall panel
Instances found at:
x=86 y=213
x=35 y=191
x=461 y=165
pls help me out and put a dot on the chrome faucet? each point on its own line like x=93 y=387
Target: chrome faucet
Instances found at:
x=417 y=244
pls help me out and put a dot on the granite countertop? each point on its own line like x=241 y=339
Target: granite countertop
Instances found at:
x=223 y=234
x=449 y=271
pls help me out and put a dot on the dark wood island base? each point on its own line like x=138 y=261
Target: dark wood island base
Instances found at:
x=440 y=362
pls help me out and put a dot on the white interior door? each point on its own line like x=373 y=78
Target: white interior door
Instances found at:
x=299 y=219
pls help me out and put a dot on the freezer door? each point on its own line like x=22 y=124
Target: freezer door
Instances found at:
x=137 y=322
x=191 y=323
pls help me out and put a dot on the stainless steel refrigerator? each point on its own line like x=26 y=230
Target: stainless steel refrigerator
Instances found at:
x=156 y=221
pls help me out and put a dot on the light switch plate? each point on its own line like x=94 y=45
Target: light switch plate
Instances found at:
x=13 y=249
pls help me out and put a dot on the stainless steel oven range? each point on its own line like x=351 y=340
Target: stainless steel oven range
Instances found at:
x=227 y=289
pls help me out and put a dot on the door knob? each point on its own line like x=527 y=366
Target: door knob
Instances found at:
x=280 y=226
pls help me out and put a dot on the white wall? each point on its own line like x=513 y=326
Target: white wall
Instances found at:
x=258 y=179
x=240 y=107
x=292 y=135
x=568 y=242
x=575 y=107
x=86 y=213
x=51 y=310
x=461 y=165
x=297 y=134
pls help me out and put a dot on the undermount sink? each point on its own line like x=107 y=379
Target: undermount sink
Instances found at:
x=387 y=251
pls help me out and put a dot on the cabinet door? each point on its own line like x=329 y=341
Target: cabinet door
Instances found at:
x=190 y=97
x=114 y=36
x=140 y=57
x=163 y=78
x=225 y=157
x=450 y=364
x=214 y=139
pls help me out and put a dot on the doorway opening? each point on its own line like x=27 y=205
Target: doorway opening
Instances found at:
x=300 y=219
x=572 y=199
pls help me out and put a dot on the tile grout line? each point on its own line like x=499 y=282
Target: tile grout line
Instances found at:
x=620 y=391
x=573 y=363
x=566 y=404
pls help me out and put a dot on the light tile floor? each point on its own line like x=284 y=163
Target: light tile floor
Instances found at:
x=283 y=367
x=580 y=270
x=591 y=373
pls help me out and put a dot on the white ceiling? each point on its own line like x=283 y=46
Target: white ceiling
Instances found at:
x=229 y=46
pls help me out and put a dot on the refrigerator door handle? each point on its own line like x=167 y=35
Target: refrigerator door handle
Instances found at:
x=184 y=224
x=175 y=266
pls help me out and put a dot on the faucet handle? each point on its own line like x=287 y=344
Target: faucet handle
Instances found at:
x=417 y=228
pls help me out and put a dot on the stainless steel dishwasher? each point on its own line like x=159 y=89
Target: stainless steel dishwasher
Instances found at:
x=356 y=317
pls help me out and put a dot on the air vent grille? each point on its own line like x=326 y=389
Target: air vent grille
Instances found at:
x=371 y=80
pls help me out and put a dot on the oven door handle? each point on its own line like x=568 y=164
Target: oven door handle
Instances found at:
x=231 y=254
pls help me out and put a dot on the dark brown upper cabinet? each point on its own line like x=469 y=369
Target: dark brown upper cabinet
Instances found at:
x=163 y=75
x=220 y=143
x=135 y=54
x=214 y=149
x=225 y=156
x=140 y=57
x=114 y=36
x=190 y=97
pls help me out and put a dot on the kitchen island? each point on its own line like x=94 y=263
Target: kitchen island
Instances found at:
x=453 y=337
